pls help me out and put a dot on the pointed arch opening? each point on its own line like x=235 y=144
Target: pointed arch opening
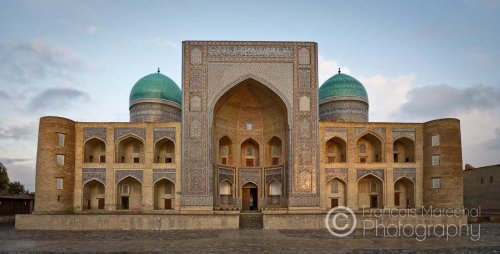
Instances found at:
x=336 y=192
x=94 y=151
x=404 y=150
x=164 y=151
x=164 y=194
x=369 y=149
x=249 y=153
x=370 y=192
x=336 y=150
x=93 y=195
x=129 y=194
x=250 y=195
x=274 y=155
x=404 y=193
x=130 y=150
x=226 y=151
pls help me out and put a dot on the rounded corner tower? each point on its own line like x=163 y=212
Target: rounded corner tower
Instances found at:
x=155 y=98
x=343 y=98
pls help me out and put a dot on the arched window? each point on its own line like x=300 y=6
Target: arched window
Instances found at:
x=225 y=151
x=130 y=150
x=164 y=194
x=335 y=150
x=95 y=151
x=369 y=149
x=225 y=189
x=164 y=151
x=404 y=150
x=250 y=153
x=275 y=151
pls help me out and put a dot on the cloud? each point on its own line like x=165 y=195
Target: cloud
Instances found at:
x=24 y=61
x=494 y=143
x=380 y=88
x=328 y=68
x=26 y=132
x=91 y=29
x=160 y=42
x=444 y=100
x=15 y=160
x=57 y=98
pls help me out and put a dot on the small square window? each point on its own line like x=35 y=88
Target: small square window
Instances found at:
x=125 y=188
x=491 y=179
x=102 y=159
x=136 y=160
x=335 y=186
x=60 y=139
x=168 y=160
x=168 y=188
x=224 y=161
x=436 y=183
x=362 y=159
x=249 y=162
x=249 y=126
x=59 y=183
x=435 y=140
x=436 y=160
x=276 y=161
x=60 y=159
x=331 y=159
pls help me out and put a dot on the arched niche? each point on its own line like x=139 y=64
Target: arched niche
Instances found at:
x=249 y=153
x=129 y=194
x=93 y=195
x=370 y=192
x=94 y=151
x=274 y=155
x=404 y=193
x=226 y=151
x=336 y=193
x=369 y=149
x=130 y=150
x=164 y=151
x=164 y=194
x=336 y=150
x=404 y=150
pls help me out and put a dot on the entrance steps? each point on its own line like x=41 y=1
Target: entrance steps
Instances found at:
x=251 y=220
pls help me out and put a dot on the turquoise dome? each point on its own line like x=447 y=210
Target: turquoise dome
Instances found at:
x=156 y=86
x=342 y=85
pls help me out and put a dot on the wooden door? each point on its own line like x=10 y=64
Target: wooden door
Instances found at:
x=334 y=202
x=396 y=198
x=100 y=203
x=168 y=203
x=245 y=199
x=125 y=202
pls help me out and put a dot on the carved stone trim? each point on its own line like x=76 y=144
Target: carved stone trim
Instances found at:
x=192 y=200
x=168 y=173
x=410 y=173
x=90 y=132
x=303 y=201
x=380 y=173
x=274 y=173
x=89 y=174
x=340 y=173
x=226 y=173
x=135 y=173
x=250 y=175
x=139 y=132
x=159 y=133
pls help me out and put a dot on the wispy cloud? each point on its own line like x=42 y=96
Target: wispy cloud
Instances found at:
x=91 y=29
x=24 y=61
x=26 y=132
x=56 y=98
x=328 y=68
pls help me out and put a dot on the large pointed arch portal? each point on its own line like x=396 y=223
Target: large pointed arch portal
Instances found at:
x=279 y=119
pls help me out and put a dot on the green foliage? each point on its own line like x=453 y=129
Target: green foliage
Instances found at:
x=16 y=188
x=4 y=179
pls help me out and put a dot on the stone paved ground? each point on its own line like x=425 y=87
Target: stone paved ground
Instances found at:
x=231 y=241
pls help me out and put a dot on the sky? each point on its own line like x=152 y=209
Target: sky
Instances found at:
x=419 y=60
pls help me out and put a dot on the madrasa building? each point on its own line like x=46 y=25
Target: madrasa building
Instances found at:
x=250 y=130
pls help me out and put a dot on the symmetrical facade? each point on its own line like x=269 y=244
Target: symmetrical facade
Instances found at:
x=250 y=131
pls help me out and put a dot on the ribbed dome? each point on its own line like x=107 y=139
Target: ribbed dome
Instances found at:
x=341 y=86
x=156 y=86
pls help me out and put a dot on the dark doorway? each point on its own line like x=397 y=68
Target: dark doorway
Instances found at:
x=335 y=202
x=100 y=203
x=396 y=199
x=88 y=204
x=168 y=203
x=373 y=201
x=249 y=197
x=125 y=202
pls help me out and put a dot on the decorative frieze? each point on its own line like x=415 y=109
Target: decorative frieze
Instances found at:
x=135 y=173
x=89 y=174
x=380 y=173
x=303 y=201
x=410 y=173
x=340 y=132
x=167 y=173
x=249 y=51
x=304 y=56
x=90 y=132
x=340 y=173
x=121 y=132
x=403 y=133
x=380 y=131
x=168 y=132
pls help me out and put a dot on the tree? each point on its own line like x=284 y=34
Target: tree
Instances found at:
x=16 y=188
x=4 y=179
